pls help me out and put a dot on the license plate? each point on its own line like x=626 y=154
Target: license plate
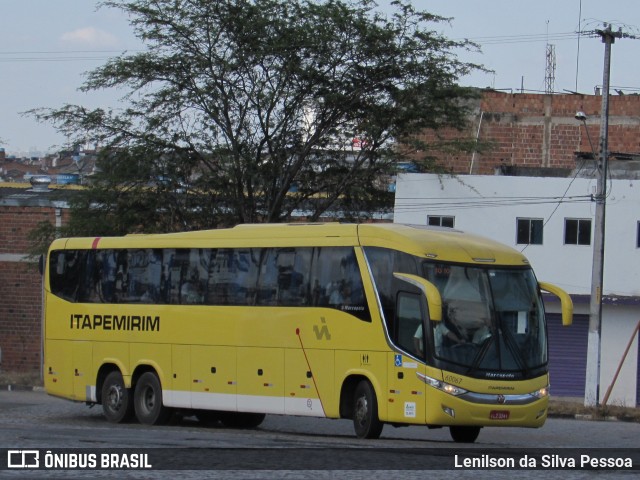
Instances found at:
x=499 y=415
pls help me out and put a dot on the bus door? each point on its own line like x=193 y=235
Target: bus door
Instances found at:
x=406 y=395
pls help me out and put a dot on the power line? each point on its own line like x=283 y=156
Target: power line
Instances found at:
x=460 y=203
x=506 y=39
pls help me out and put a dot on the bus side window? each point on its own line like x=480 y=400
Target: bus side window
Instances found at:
x=233 y=273
x=66 y=268
x=336 y=281
x=145 y=272
x=383 y=263
x=284 y=277
x=410 y=334
x=176 y=265
x=89 y=281
x=56 y=272
x=193 y=276
x=107 y=261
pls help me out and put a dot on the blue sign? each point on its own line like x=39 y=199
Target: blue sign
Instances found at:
x=398 y=360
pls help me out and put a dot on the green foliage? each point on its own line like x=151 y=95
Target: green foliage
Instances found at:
x=245 y=111
x=39 y=239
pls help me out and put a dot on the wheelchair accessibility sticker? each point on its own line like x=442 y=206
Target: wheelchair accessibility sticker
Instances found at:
x=398 y=360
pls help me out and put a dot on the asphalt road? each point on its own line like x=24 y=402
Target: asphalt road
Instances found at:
x=296 y=447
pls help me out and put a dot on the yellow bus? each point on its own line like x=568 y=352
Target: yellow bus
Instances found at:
x=378 y=323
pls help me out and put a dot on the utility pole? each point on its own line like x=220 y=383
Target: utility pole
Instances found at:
x=592 y=385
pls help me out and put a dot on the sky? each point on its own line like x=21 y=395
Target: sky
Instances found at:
x=48 y=45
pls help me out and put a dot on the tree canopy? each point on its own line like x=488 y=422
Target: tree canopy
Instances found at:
x=256 y=110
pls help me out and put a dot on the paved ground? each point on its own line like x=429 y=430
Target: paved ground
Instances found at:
x=32 y=419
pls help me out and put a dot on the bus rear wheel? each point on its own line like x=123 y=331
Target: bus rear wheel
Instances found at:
x=365 y=412
x=464 y=434
x=117 y=404
x=147 y=400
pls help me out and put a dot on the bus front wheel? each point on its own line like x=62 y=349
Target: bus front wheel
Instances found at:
x=464 y=434
x=365 y=412
x=116 y=399
x=147 y=400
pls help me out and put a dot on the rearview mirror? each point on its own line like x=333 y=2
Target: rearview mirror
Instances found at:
x=565 y=301
x=430 y=291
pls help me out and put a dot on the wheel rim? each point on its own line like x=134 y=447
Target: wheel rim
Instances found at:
x=148 y=399
x=362 y=410
x=114 y=398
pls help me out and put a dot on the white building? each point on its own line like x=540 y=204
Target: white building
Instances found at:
x=551 y=221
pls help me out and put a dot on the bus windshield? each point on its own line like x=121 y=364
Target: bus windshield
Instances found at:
x=493 y=318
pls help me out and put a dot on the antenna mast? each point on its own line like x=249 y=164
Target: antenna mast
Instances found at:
x=550 y=72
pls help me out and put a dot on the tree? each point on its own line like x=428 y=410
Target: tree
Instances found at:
x=252 y=110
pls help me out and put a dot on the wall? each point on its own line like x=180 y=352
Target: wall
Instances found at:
x=533 y=130
x=616 y=333
x=20 y=289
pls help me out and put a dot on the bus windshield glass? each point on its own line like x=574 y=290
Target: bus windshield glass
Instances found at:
x=493 y=318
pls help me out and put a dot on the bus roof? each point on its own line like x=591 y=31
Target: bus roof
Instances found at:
x=444 y=244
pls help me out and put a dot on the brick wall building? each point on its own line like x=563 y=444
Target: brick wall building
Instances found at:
x=21 y=209
x=534 y=130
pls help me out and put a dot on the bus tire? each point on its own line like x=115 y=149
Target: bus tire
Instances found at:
x=242 y=420
x=365 y=411
x=117 y=401
x=464 y=434
x=147 y=400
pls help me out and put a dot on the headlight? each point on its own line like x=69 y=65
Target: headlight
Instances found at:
x=541 y=393
x=440 y=385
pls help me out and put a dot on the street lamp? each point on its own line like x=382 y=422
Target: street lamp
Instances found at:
x=582 y=117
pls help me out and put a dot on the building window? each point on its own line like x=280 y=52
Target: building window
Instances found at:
x=638 y=246
x=440 y=221
x=529 y=231
x=577 y=231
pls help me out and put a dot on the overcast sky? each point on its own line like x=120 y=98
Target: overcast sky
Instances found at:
x=47 y=45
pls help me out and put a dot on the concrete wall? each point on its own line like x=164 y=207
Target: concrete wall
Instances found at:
x=617 y=331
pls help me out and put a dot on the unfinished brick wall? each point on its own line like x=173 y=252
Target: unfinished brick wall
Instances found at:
x=20 y=316
x=20 y=289
x=534 y=130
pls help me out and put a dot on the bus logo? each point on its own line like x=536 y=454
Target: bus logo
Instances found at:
x=322 y=332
